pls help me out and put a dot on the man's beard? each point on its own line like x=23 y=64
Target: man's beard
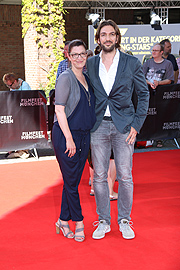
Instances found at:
x=107 y=49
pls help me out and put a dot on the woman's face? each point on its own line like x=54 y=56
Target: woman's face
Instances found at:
x=78 y=57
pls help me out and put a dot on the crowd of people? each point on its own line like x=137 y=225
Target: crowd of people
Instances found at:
x=95 y=115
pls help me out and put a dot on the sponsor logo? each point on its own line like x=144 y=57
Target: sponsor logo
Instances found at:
x=6 y=119
x=171 y=125
x=31 y=102
x=171 y=95
x=152 y=111
x=32 y=135
x=123 y=31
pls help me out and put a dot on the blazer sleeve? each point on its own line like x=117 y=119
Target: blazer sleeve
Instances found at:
x=142 y=92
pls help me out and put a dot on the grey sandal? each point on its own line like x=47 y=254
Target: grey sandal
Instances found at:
x=60 y=226
x=79 y=238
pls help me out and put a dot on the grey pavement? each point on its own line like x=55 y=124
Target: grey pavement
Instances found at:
x=167 y=145
x=48 y=153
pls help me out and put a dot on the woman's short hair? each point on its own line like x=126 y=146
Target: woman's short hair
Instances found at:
x=76 y=43
x=114 y=25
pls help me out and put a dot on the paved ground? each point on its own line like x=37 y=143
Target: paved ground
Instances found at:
x=48 y=153
x=167 y=145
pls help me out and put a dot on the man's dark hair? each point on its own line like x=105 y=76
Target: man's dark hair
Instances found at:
x=164 y=41
x=114 y=25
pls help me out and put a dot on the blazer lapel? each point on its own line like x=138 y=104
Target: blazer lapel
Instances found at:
x=96 y=65
x=120 y=69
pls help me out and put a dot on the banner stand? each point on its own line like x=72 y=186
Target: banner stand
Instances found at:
x=176 y=143
x=23 y=120
x=35 y=155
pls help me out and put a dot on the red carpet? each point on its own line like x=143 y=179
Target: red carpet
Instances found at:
x=30 y=202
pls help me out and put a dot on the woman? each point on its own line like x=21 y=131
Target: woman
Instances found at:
x=74 y=118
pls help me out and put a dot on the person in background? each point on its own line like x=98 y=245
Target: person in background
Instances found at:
x=74 y=118
x=97 y=50
x=89 y=53
x=14 y=83
x=158 y=71
x=178 y=63
x=114 y=75
x=64 y=64
x=111 y=178
x=167 y=55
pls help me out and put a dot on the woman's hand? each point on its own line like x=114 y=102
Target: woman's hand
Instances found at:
x=70 y=147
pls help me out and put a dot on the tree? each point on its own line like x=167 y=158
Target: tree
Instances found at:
x=45 y=17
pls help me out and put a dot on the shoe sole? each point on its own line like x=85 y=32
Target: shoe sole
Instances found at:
x=127 y=237
x=103 y=235
x=113 y=199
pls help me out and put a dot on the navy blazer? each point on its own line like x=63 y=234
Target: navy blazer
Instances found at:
x=129 y=77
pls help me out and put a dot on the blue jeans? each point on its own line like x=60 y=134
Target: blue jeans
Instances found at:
x=102 y=140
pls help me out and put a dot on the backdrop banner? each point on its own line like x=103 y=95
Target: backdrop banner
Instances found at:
x=163 y=119
x=23 y=123
x=51 y=109
x=23 y=117
x=140 y=38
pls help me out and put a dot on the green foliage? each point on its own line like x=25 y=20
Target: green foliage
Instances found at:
x=46 y=16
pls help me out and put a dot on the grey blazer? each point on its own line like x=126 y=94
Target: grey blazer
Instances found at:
x=129 y=77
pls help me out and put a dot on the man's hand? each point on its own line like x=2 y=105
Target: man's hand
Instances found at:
x=156 y=83
x=153 y=86
x=132 y=136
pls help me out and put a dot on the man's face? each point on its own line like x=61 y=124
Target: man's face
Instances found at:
x=156 y=52
x=108 y=38
x=65 y=51
x=12 y=85
x=167 y=48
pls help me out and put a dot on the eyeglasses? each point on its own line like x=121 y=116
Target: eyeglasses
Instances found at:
x=9 y=85
x=76 y=55
x=155 y=50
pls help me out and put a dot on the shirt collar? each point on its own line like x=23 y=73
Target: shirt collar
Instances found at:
x=116 y=57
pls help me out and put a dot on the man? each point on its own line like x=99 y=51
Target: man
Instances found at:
x=167 y=55
x=64 y=64
x=157 y=70
x=114 y=75
x=12 y=81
